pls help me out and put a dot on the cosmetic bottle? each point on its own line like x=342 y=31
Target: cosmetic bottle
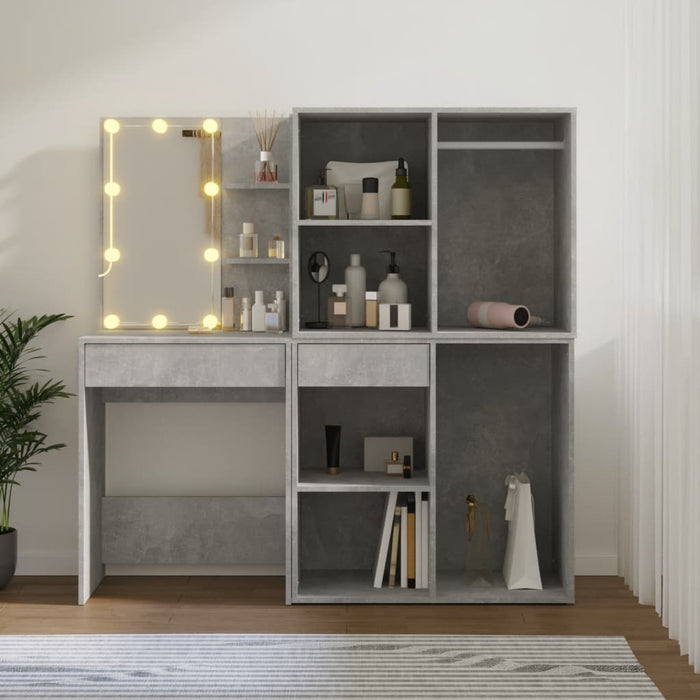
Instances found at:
x=407 y=468
x=356 y=283
x=248 y=241
x=371 y=309
x=279 y=247
x=228 y=310
x=258 y=313
x=272 y=248
x=272 y=317
x=339 y=308
x=322 y=199
x=393 y=289
x=370 y=198
x=282 y=308
x=401 y=193
x=394 y=466
x=246 y=322
x=394 y=317
x=333 y=449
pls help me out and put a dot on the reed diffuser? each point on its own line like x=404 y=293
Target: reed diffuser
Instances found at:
x=266 y=129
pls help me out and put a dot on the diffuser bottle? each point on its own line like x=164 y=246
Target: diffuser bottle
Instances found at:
x=356 y=283
x=393 y=289
x=401 y=193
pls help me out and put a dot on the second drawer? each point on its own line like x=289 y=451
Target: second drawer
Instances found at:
x=359 y=364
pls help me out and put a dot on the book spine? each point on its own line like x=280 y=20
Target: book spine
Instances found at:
x=404 y=542
x=411 y=507
x=424 y=552
x=380 y=563
x=419 y=541
x=394 y=546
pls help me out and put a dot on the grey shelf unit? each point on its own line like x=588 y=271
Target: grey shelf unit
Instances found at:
x=266 y=205
x=494 y=193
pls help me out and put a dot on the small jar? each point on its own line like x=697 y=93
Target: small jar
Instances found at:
x=265 y=168
x=246 y=323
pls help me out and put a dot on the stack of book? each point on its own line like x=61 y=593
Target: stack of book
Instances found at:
x=402 y=552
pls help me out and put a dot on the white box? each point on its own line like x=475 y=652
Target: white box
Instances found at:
x=394 y=317
x=378 y=450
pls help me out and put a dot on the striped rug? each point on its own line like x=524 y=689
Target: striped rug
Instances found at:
x=319 y=666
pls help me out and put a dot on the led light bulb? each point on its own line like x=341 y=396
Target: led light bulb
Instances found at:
x=112 y=189
x=159 y=321
x=211 y=255
x=112 y=255
x=160 y=126
x=211 y=126
x=211 y=188
x=111 y=126
x=111 y=321
x=210 y=321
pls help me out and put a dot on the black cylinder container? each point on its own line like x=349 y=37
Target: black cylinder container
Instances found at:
x=333 y=449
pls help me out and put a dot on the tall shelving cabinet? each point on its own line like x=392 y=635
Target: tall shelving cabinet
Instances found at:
x=493 y=201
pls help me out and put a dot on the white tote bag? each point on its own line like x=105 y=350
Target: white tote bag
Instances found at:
x=520 y=567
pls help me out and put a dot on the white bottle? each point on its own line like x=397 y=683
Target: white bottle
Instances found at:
x=282 y=308
x=356 y=282
x=393 y=289
x=246 y=313
x=259 y=309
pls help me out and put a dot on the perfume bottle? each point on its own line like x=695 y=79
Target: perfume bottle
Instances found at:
x=282 y=309
x=339 y=307
x=394 y=466
x=246 y=322
x=248 y=241
x=321 y=199
x=272 y=317
x=370 y=198
x=371 y=309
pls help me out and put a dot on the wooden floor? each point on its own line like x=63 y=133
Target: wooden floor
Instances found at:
x=47 y=605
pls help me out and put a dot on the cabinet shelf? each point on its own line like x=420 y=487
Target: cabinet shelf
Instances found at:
x=358 y=480
x=490 y=335
x=500 y=145
x=451 y=588
x=353 y=586
x=351 y=223
x=255 y=186
x=256 y=261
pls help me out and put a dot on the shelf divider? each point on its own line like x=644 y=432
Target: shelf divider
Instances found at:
x=500 y=145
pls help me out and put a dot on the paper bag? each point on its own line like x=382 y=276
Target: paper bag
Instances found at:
x=520 y=567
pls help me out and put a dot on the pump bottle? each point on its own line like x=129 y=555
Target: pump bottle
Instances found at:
x=393 y=289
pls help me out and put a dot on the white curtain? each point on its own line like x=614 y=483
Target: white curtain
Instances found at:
x=659 y=359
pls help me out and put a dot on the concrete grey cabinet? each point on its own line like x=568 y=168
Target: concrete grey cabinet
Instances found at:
x=493 y=196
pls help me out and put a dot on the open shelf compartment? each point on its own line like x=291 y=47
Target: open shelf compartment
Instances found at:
x=505 y=226
x=503 y=409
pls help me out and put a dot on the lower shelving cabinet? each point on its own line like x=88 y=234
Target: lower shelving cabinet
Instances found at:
x=489 y=410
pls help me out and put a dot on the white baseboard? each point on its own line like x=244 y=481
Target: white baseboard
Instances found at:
x=596 y=564
x=38 y=562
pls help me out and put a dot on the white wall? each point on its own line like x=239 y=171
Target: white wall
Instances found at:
x=66 y=63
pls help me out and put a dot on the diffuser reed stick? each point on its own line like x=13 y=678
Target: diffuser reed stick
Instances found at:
x=266 y=130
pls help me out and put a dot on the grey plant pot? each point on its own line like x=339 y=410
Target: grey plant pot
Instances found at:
x=8 y=556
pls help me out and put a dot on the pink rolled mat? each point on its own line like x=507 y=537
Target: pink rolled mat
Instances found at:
x=498 y=314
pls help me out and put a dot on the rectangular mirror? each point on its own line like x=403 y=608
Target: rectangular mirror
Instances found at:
x=161 y=229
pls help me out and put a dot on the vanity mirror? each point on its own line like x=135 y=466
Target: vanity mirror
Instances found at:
x=161 y=259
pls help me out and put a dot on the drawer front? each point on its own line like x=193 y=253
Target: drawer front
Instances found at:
x=359 y=364
x=124 y=365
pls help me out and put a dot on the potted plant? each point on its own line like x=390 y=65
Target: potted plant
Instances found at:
x=21 y=401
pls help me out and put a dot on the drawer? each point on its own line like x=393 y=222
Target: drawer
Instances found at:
x=360 y=364
x=181 y=365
